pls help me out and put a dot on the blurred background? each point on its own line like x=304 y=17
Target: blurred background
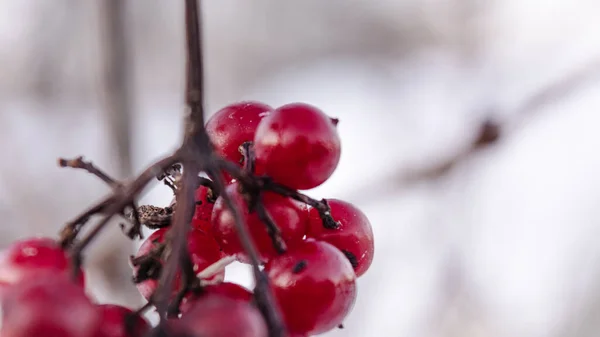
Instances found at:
x=498 y=240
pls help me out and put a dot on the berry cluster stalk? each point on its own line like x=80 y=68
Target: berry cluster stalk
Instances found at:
x=196 y=155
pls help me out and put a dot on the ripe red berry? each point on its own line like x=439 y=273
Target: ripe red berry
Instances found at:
x=225 y=289
x=297 y=145
x=314 y=285
x=204 y=206
x=34 y=258
x=234 y=125
x=354 y=237
x=220 y=316
x=118 y=321
x=48 y=307
x=203 y=250
x=286 y=213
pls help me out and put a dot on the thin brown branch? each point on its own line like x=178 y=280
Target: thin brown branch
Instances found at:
x=72 y=229
x=195 y=66
x=115 y=204
x=177 y=238
x=264 y=296
x=79 y=163
x=272 y=229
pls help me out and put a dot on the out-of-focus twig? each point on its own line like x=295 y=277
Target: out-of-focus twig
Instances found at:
x=487 y=134
x=117 y=81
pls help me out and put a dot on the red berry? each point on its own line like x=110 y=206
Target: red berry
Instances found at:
x=34 y=258
x=203 y=250
x=220 y=316
x=354 y=237
x=286 y=213
x=48 y=307
x=297 y=145
x=315 y=286
x=204 y=207
x=115 y=322
x=234 y=125
x=226 y=289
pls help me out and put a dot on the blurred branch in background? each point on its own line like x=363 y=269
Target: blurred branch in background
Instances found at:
x=486 y=134
x=117 y=81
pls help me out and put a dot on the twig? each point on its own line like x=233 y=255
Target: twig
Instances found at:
x=79 y=163
x=253 y=184
x=73 y=228
x=114 y=204
x=264 y=296
x=272 y=229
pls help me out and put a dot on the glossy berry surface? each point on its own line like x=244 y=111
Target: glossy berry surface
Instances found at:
x=234 y=125
x=298 y=146
x=354 y=237
x=286 y=213
x=115 y=324
x=203 y=250
x=34 y=258
x=226 y=289
x=314 y=285
x=48 y=307
x=204 y=206
x=220 y=316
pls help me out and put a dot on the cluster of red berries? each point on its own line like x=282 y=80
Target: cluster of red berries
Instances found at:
x=312 y=269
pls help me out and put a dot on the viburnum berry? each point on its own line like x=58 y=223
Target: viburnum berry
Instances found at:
x=297 y=145
x=205 y=202
x=118 y=321
x=354 y=237
x=225 y=289
x=48 y=307
x=34 y=258
x=203 y=250
x=220 y=316
x=314 y=285
x=285 y=212
x=234 y=125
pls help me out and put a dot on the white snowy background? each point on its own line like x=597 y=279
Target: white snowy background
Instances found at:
x=505 y=244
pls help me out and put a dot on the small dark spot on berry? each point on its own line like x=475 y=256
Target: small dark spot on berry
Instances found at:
x=335 y=121
x=352 y=258
x=300 y=266
x=341 y=326
x=199 y=202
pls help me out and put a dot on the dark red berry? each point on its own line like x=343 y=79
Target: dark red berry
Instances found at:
x=286 y=213
x=226 y=289
x=297 y=145
x=314 y=285
x=48 y=307
x=354 y=237
x=220 y=316
x=118 y=321
x=204 y=206
x=234 y=125
x=203 y=250
x=34 y=258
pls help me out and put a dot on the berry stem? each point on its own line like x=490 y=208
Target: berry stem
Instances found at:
x=251 y=182
x=272 y=229
x=264 y=296
x=177 y=239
